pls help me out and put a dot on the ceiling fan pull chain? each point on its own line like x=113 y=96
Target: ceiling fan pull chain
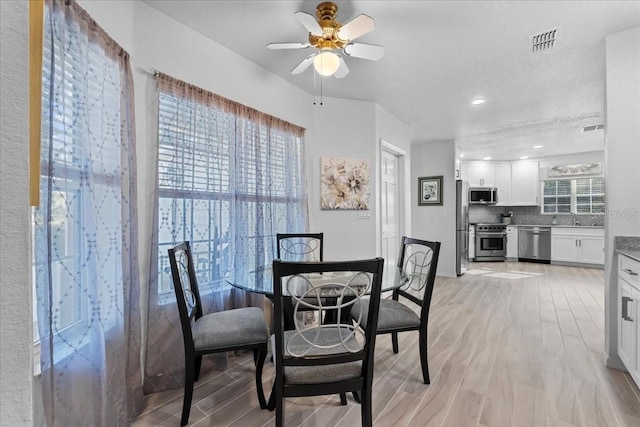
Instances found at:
x=314 y=88
x=321 y=99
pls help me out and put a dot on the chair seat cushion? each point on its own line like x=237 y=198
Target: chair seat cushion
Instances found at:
x=231 y=328
x=392 y=315
x=320 y=374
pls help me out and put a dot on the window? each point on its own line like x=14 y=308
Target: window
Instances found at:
x=228 y=184
x=79 y=215
x=589 y=196
x=579 y=196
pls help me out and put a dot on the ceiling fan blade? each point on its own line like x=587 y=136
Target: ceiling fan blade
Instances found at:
x=342 y=70
x=304 y=64
x=310 y=23
x=357 y=27
x=365 y=51
x=288 y=45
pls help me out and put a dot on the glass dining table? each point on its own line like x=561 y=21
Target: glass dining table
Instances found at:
x=393 y=277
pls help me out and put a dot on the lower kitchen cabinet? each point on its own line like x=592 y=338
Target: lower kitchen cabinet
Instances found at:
x=628 y=310
x=512 y=242
x=577 y=245
x=472 y=242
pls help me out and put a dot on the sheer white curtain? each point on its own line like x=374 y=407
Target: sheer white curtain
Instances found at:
x=229 y=179
x=85 y=243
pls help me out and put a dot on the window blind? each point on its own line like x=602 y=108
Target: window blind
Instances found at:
x=581 y=196
x=227 y=183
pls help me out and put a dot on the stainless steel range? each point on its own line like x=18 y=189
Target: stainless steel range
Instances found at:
x=491 y=242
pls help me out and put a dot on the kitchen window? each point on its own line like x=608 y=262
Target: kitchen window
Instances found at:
x=580 y=196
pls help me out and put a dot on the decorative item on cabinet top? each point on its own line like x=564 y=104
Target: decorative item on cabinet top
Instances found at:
x=578 y=169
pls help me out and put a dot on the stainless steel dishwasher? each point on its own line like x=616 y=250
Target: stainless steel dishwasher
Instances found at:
x=534 y=244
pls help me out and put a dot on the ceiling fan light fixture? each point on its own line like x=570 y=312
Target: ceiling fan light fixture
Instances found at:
x=326 y=63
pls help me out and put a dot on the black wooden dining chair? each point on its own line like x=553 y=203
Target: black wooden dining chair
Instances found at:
x=419 y=261
x=321 y=359
x=237 y=329
x=300 y=246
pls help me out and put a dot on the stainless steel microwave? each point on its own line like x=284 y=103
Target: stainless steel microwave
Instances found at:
x=483 y=195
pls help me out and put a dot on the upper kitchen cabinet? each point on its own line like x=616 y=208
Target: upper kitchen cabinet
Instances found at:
x=479 y=174
x=524 y=184
x=503 y=183
x=517 y=182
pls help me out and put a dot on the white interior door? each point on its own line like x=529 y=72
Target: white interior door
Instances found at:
x=390 y=206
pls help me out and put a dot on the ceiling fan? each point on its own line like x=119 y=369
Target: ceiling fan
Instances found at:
x=327 y=35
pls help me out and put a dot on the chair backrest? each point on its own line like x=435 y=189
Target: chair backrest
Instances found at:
x=326 y=286
x=185 y=286
x=299 y=246
x=419 y=260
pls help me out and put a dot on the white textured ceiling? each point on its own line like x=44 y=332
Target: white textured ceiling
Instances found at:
x=439 y=55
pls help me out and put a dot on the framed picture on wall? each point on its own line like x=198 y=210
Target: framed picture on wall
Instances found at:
x=430 y=191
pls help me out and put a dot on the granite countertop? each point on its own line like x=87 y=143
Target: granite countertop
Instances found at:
x=597 y=227
x=627 y=245
x=631 y=253
x=559 y=226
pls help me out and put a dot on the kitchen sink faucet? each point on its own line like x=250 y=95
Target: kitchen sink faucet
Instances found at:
x=575 y=221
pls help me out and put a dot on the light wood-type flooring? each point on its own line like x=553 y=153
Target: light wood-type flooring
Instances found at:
x=505 y=349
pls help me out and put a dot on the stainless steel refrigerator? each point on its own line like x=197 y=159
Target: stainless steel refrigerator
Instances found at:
x=462 y=226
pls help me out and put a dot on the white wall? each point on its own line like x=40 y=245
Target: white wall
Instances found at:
x=436 y=223
x=622 y=152
x=16 y=345
x=342 y=128
x=351 y=129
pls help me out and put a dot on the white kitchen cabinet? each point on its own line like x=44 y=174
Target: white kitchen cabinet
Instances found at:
x=524 y=183
x=577 y=245
x=517 y=182
x=481 y=174
x=628 y=310
x=512 y=242
x=592 y=249
x=503 y=183
x=564 y=247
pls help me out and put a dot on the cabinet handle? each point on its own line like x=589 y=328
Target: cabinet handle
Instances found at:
x=625 y=309
x=630 y=272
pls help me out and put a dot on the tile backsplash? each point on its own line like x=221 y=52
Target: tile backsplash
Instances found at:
x=526 y=215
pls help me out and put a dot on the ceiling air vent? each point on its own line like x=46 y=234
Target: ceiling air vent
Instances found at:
x=544 y=41
x=592 y=128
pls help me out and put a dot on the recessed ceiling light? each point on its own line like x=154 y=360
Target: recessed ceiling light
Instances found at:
x=478 y=101
x=461 y=155
x=524 y=157
x=537 y=146
x=486 y=158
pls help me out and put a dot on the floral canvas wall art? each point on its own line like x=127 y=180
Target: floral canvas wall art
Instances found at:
x=345 y=183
